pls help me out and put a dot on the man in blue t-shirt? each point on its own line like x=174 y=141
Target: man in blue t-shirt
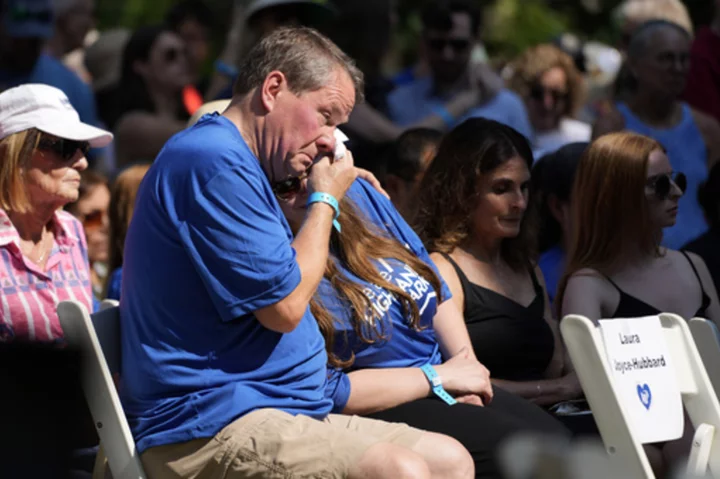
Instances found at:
x=224 y=366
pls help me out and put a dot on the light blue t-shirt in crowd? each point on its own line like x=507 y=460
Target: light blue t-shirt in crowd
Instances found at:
x=207 y=246
x=51 y=71
x=404 y=347
x=414 y=101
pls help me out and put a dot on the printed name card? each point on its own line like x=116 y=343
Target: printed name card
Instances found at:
x=644 y=377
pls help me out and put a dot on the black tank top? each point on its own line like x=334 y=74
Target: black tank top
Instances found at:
x=631 y=307
x=513 y=341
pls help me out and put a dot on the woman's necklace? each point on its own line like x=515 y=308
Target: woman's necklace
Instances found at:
x=44 y=249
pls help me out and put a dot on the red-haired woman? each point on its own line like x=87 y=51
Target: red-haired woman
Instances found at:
x=625 y=193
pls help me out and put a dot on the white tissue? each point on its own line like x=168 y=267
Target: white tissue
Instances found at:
x=340 y=149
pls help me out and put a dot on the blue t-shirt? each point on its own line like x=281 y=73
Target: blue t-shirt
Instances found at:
x=207 y=246
x=404 y=346
x=414 y=101
x=552 y=265
x=50 y=71
x=113 y=290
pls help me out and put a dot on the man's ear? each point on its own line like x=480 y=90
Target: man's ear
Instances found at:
x=273 y=86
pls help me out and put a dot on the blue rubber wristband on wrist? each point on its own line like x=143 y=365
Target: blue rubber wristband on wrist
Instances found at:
x=329 y=200
x=436 y=384
x=442 y=112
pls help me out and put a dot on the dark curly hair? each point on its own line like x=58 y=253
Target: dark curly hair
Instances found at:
x=448 y=191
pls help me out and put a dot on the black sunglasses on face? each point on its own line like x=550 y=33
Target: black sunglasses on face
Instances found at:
x=538 y=92
x=458 y=45
x=662 y=184
x=283 y=190
x=64 y=148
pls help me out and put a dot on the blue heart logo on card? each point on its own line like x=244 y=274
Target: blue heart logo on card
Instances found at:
x=645 y=395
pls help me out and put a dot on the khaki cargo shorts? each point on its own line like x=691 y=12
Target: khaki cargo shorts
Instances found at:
x=269 y=443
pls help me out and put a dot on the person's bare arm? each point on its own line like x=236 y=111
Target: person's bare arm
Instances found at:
x=585 y=295
x=230 y=54
x=450 y=329
x=713 y=312
x=710 y=131
x=451 y=279
x=373 y=126
x=141 y=136
x=611 y=122
x=311 y=244
x=377 y=389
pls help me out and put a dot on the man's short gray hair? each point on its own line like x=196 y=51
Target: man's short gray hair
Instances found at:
x=306 y=58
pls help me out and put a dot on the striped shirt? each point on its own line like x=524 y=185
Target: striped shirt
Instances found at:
x=28 y=295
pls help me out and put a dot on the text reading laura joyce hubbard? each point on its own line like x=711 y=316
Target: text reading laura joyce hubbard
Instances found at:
x=640 y=363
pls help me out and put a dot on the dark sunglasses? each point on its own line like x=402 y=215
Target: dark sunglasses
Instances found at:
x=662 y=184
x=285 y=189
x=64 y=148
x=93 y=220
x=538 y=92
x=458 y=45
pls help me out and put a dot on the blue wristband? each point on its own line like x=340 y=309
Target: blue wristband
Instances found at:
x=442 y=112
x=329 y=200
x=436 y=384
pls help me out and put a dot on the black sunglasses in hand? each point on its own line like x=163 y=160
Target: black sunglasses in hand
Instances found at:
x=662 y=184
x=64 y=148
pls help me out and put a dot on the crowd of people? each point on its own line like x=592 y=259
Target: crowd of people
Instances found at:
x=295 y=302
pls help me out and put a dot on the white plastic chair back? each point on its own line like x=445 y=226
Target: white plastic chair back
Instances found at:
x=707 y=339
x=99 y=339
x=587 y=351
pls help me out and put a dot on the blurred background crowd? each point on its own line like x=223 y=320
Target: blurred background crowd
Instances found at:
x=557 y=71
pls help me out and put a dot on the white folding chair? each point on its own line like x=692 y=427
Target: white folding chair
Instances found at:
x=98 y=337
x=707 y=339
x=586 y=349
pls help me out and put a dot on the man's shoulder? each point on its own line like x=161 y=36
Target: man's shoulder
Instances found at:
x=52 y=71
x=213 y=139
x=418 y=88
x=509 y=98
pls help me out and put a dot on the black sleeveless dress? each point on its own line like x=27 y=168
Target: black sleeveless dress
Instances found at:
x=513 y=341
x=631 y=307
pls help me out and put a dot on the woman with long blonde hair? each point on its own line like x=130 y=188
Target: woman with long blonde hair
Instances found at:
x=625 y=193
x=122 y=205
